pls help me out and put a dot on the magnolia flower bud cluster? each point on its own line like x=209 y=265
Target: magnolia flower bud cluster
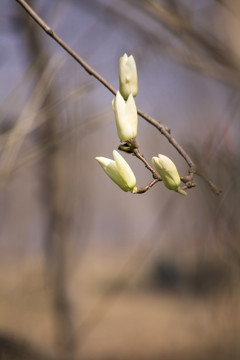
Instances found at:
x=125 y=111
x=126 y=117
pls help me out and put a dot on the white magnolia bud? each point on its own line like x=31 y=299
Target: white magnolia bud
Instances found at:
x=126 y=117
x=119 y=171
x=128 y=81
x=168 y=172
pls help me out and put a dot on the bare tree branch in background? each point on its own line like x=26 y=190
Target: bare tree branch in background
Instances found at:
x=205 y=52
x=163 y=129
x=56 y=235
x=11 y=142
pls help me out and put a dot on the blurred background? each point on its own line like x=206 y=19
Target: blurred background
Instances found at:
x=86 y=270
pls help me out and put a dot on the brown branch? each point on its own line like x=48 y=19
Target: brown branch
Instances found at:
x=70 y=51
x=156 y=176
x=165 y=131
x=141 y=190
x=212 y=186
x=141 y=157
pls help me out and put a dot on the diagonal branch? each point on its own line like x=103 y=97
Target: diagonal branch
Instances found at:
x=165 y=131
x=70 y=51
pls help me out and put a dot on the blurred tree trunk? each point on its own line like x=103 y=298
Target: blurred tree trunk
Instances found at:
x=56 y=234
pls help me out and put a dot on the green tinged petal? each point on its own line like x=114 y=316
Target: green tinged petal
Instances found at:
x=124 y=170
x=119 y=171
x=128 y=80
x=168 y=172
x=126 y=117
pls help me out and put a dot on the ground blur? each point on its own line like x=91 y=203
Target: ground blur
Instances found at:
x=120 y=313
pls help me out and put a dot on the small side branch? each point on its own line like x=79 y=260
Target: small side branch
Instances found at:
x=147 y=165
x=141 y=190
x=212 y=186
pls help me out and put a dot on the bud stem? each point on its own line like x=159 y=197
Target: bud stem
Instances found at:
x=147 y=165
x=141 y=190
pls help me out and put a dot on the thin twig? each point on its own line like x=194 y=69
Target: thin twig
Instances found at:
x=212 y=186
x=165 y=131
x=148 y=166
x=141 y=190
